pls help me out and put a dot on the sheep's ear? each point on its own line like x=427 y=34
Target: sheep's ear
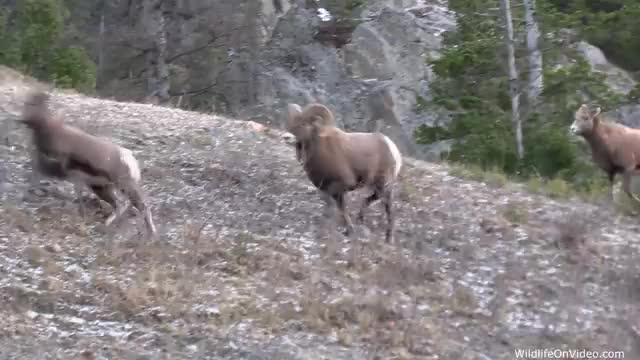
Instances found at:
x=293 y=110
x=596 y=112
x=584 y=108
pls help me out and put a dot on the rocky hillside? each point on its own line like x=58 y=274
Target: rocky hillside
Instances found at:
x=244 y=58
x=247 y=58
x=242 y=270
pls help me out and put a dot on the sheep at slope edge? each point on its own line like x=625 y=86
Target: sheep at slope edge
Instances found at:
x=615 y=148
x=68 y=153
x=337 y=162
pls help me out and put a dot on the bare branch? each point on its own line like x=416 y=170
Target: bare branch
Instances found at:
x=195 y=92
x=208 y=44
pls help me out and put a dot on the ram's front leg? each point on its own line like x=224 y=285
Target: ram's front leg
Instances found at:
x=626 y=184
x=82 y=211
x=80 y=179
x=342 y=208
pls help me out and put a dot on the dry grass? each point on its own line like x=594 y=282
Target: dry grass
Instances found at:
x=241 y=269
x=493 y=177
x=170 y=285
x=515 y=213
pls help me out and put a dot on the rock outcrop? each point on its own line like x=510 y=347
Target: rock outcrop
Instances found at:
x=371 y=80
x=618 y=79
x=369 y=66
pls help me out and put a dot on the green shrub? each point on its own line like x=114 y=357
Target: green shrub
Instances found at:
x=32 y=45
x=39 y=27
x=9 y=51
x=472 y=84
x=72 y=68
x=611 y=25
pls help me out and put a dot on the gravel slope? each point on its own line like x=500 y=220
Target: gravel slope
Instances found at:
x=242 y=270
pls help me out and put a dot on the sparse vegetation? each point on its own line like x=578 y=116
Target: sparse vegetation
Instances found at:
x=515 y=213
x=493 y=177
x=594 y=191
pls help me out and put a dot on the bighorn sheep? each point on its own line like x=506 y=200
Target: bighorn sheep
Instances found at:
x=66 y=152
x=615 y=148
x=338 y=162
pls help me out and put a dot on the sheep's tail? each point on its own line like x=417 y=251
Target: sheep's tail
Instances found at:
x=395 y=153
x=320 y=114
x=127 y=158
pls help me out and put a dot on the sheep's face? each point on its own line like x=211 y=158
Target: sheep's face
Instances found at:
x=584 y=120
x=35 y=110
x=300 y=127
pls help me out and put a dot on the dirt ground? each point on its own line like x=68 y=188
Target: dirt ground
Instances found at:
x=243 y=270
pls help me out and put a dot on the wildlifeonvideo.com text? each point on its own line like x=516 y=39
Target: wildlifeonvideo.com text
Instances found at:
x=545 y=354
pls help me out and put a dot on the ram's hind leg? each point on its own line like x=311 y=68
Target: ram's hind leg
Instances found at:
x=137 y=197
x=612 y=176
x=626 y=184
x=368 y=201
x=387 y=200
x=107 y=193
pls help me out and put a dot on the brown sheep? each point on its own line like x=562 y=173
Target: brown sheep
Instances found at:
x=66 y=152
x=338 y=162
x=615 y=148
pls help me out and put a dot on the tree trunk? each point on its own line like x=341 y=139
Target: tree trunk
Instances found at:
x=157 y=68
x=100 y=70
x=534 y=55
x=514 y=90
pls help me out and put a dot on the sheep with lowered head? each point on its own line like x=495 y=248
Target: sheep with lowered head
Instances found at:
x=615 y=148
x=66 y=152
x=338 y=162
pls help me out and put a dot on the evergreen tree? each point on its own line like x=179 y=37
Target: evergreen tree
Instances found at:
x=472 y=83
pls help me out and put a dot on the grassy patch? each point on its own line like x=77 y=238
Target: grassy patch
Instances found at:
x=491 y=177
x=554 y=188
x=626 y=205
x=201 y=140
x=558 y=189
x=408 y=190
x=573 y=237
x=515 y=213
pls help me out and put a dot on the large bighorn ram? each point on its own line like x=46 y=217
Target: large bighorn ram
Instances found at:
x=615 y=148
x=337 y=162
x=66 y=152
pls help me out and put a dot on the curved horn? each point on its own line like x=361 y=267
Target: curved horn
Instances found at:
x=320 y=114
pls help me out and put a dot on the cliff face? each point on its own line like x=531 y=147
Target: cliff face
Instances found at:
x=372 y=81
x=254 y=56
